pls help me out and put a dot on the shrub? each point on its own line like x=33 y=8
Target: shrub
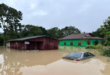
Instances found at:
x=99 y=46
x=105 y=52
x=90 y=47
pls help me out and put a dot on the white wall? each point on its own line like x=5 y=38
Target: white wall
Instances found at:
x=8 y=44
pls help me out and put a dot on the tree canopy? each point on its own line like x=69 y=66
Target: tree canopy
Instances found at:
x=105 y=30
x=10 y=20
x=98 y=33
x=30 y=30
x=53 y=32
x=70 y=30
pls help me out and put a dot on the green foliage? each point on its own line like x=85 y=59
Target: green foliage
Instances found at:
x=69 y=30
x=54 y=32
x=99 y=46
x=98 y=33
x=105 y=30
x=105 y=52
x=90 y=47
x=10 y=18
x=44 y=31
x=107 y=38
x=12 y=35
x=10 y=21
x=30 y=30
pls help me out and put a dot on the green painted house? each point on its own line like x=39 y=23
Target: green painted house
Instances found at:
x=83 y=40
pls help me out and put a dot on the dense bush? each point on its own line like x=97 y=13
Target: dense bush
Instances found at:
x=99 y=46
x=105 y=52
x=90 y=47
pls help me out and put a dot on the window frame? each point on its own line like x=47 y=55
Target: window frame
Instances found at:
x=88 y=42
x=86 y=54
x=71 y=43
x=64 y=43
x=79 y=43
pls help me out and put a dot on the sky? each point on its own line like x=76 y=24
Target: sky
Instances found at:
x=86 y=15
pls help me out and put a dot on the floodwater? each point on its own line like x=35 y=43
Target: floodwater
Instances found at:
x=50 y=62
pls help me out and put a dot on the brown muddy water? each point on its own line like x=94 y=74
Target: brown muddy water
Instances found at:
x=50 y=62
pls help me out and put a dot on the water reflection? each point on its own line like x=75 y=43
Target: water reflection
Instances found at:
x=1 y=59
x=14 y=62
x=74 y=48
x=71 y=48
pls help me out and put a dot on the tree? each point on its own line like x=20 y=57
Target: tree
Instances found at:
x=98 y=33
x=10 y=19
x=53 y=32
x=70 y=30
x=44 y=31
x=105 y=30
x=30 y=30
x=12 y=35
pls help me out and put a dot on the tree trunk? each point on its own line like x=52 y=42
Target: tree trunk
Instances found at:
x=4 y=38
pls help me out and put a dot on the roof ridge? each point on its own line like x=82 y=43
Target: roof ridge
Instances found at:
x=27 y=37
x=78 y=34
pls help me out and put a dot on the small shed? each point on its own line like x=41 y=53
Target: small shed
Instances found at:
x=41 y=42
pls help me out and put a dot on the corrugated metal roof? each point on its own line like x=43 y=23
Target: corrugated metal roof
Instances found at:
x=25 y=38
x=80 y=36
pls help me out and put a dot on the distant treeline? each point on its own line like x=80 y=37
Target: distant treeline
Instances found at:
x=32 y=30
x=55 y=32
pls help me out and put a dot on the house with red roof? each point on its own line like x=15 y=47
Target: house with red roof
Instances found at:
x=83 y=40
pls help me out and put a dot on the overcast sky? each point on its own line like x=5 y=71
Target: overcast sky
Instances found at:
x=86 y=15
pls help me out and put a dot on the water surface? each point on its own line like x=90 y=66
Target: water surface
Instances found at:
x=50 y=62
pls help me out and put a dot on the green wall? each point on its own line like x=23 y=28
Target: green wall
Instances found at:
x=75 y=42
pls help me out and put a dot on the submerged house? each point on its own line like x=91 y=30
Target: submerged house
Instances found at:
x=83 y=40
x=41 y=42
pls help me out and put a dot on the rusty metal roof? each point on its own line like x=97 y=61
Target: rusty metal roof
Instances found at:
x=25 y=38
x=80 y=36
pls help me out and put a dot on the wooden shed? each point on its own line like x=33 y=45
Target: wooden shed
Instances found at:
x=41 y=42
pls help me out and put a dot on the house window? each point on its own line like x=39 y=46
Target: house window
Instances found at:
x=64 y=43
x=88 y=42
x=71 y=43
x=79 y=43
x=96 y=42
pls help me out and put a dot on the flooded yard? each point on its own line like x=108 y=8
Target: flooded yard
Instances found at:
x=50 y=62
